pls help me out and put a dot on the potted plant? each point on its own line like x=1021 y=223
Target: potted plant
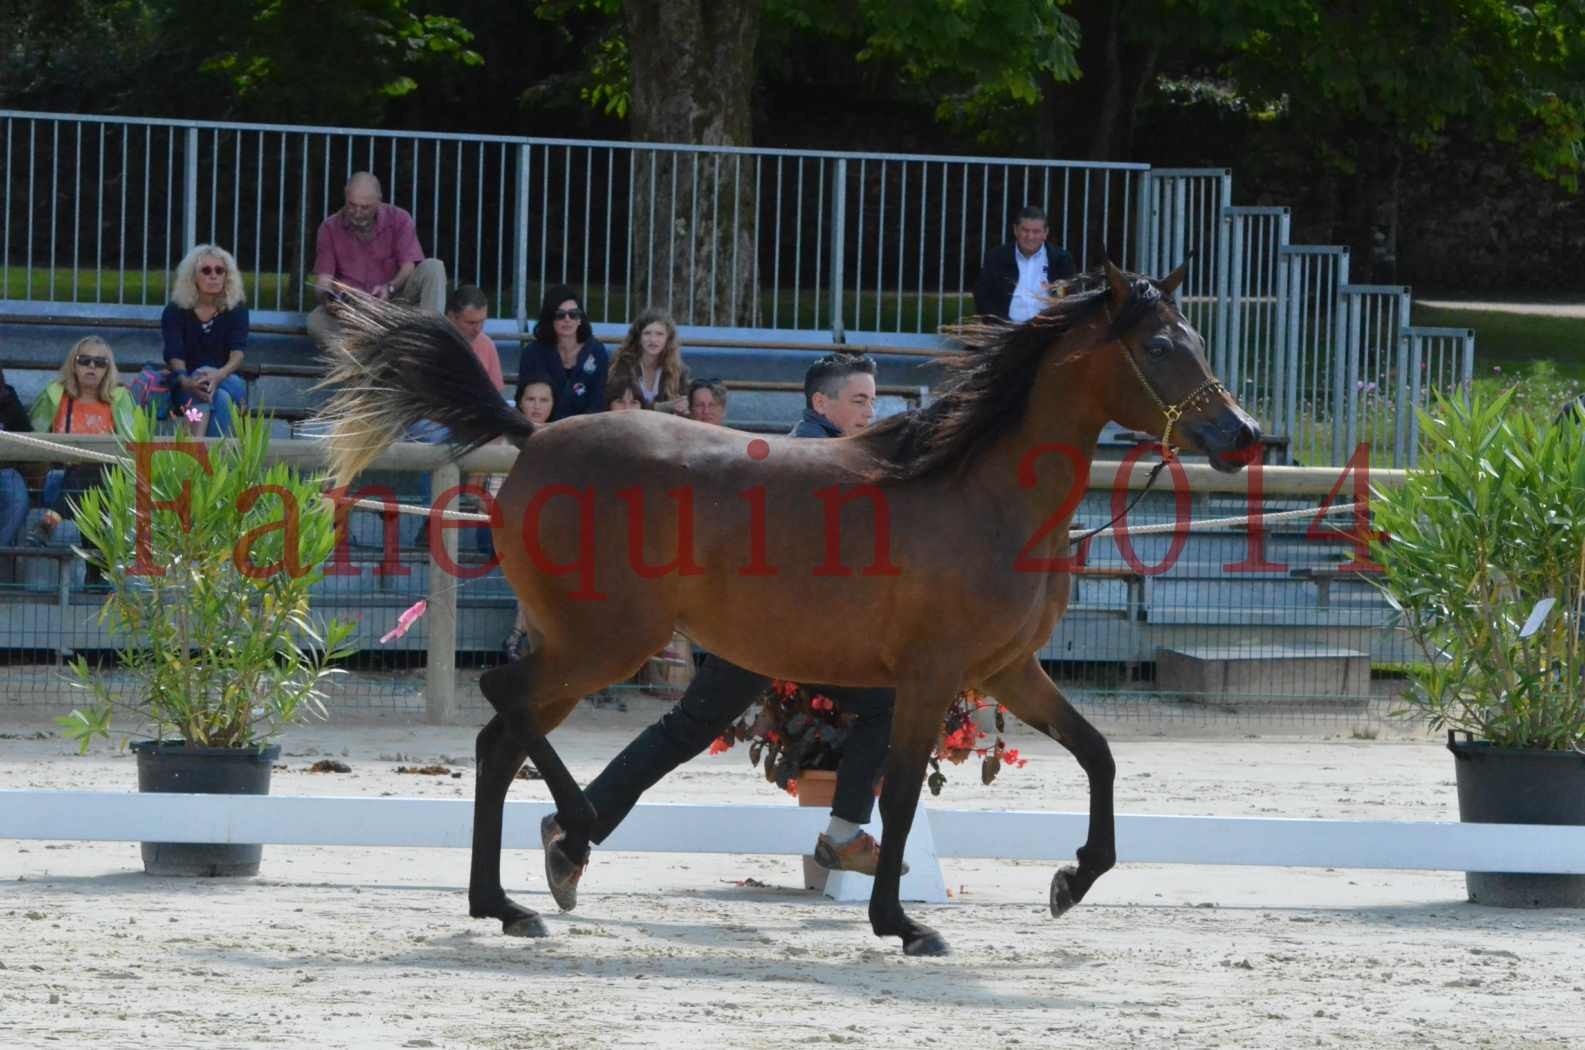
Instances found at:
x=210 y=555
x=1483 y=551
x=796 y=735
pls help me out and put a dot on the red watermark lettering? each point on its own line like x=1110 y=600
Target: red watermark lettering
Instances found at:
x=583 y=564
x=145 y=504
x=757 y=565
x=834 y=497
x=390 y=540
x=1182 y=507
x=1361 y=534
x=1255 y=536
x=683 y=564
x=438 y=522
x=290 y=526
x=1027 y=479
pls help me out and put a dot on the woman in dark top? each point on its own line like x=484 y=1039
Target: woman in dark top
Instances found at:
x=205 y=326
x=565 y=350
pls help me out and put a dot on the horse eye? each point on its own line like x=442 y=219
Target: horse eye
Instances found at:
x=1158 y=346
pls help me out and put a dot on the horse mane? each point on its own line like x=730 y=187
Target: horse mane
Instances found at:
x=988 y=394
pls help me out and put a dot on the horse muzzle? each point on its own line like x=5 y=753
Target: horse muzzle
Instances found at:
x=1231 y=440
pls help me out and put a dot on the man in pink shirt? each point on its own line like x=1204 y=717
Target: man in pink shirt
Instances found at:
x=373 y=247
x=467 y=309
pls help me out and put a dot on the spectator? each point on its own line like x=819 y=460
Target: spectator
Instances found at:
x=624 y=396
x=13 y=486
x=467 y=309
x=565 y=352
x=205 y=327
x=1014 y=280
x=707 y=401
x=88 y=398
x=720 y=692
x=372 y=247
x=536 y=399
x=839 y=396
x=652 y=358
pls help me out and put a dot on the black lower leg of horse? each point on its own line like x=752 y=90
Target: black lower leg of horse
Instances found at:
x=498 y=756
x=915 y=725
x=1031 y=695
x=509 y=691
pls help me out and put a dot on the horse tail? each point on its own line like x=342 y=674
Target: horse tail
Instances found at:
x=394 y=366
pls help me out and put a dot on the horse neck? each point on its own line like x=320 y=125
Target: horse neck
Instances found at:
x=1065 y=412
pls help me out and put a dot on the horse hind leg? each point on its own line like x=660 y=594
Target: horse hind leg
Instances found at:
x=499 y=756
x=1030 y=694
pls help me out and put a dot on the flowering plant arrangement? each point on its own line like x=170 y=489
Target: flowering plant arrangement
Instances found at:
x=794 y=729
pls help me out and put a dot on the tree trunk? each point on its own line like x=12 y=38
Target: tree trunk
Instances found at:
x=692 y=64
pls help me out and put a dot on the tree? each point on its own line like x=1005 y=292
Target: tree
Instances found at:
x=684 y=72
x=1358 y=85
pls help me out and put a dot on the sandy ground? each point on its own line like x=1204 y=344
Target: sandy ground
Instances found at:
x=373 y=948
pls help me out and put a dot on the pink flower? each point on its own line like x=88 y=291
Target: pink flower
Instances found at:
x=194 y=414
x=405 y=622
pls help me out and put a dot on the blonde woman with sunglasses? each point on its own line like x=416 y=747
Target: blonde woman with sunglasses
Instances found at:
x=205 y=329
x=87 y=398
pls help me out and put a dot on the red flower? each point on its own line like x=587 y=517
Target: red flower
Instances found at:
x=792 y=787
x=720 y=744
x=785 y=690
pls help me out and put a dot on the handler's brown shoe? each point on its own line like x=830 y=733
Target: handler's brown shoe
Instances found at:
x=861 y=853
x=561 y=874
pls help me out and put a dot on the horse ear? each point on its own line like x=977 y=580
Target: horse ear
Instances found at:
x=1169 y=284
x=1119 y=284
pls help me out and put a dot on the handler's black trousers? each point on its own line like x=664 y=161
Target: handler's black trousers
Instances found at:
x=717 y=697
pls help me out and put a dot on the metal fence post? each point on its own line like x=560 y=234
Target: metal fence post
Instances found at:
x=1148 y=224
x=190 y=192
x=520 y=240
x=839 y=186
x=440 y=672
x=1340 y=344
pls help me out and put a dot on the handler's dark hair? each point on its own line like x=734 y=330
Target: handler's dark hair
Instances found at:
x=827 y=375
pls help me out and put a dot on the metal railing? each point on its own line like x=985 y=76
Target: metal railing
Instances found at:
x=99 y=209
x=739 y=243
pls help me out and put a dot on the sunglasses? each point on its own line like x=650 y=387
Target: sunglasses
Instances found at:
x=569 y=315
x=212 y=271
x=93 y=362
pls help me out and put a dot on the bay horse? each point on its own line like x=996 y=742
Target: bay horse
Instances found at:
x=927 y=553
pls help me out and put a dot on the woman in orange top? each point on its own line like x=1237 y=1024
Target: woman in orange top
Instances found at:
x=88 y=398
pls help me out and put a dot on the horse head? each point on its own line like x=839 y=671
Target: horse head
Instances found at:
x=1166 y=385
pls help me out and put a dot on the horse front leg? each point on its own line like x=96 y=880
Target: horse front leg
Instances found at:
x=1029 y=693
x=916 y=722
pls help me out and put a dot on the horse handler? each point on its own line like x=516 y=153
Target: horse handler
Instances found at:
x=839 y=397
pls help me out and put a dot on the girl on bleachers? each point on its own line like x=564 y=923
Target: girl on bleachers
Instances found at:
x=88 y=398
x=205 y=326
x=651 y=358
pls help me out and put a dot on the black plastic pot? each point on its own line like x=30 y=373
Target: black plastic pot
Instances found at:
x=173 y=766
x=1500 y=786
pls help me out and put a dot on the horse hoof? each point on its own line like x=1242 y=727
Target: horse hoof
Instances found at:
x=926 y=942
x=1062 y=891
x=528 y=925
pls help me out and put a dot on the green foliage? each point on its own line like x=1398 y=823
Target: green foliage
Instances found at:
x=1488 y=532
x=318 y=61
x=1406 y=71
x=215 y=608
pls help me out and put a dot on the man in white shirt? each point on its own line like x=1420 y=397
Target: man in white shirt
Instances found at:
x=1013 y=281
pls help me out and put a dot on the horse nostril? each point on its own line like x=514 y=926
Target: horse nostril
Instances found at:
x=1248 y=434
